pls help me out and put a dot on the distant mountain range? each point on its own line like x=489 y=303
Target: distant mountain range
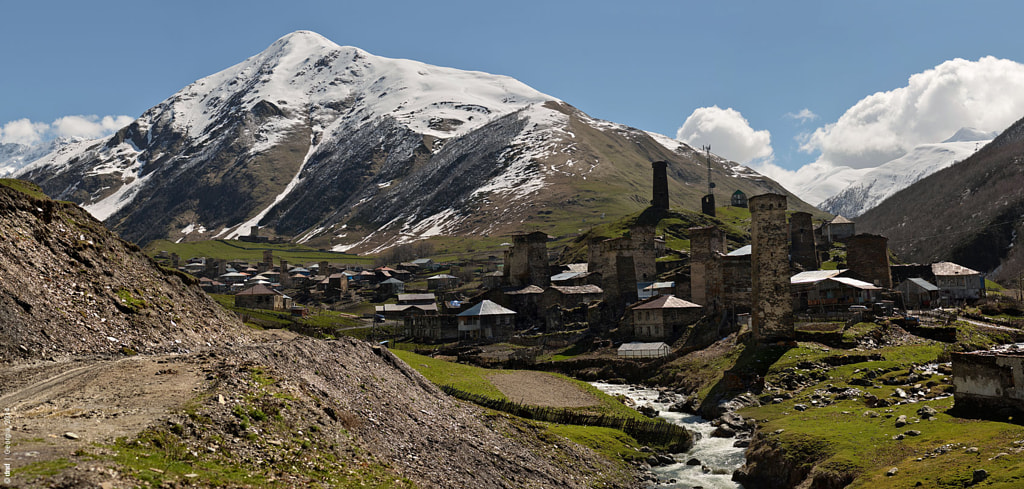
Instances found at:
x=874 y=185
x=971 y=212
x=334 y=147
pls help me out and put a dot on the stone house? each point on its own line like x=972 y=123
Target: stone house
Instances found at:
x=838 y=229
x=486 y=320
x=664 y=317
x=442 y=282
x=958 y=283
x=262 y=297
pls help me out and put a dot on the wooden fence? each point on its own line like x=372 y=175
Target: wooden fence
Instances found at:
x=643 y=430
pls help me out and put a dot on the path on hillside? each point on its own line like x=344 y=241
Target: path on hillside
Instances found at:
x=59 y=407
x=541 y=389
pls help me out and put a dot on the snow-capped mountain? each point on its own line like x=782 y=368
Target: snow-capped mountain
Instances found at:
x=878 y=184
x=331 y=145
x=14 y=156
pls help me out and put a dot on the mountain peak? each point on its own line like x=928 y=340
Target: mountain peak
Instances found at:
x=965 y=134
x=307 y=39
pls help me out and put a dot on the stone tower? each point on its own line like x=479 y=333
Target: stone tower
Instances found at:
x=706 y=247
x=526 y=262
x=867 y=256
x=801 y=238
x=660 y=200
x=772 y=308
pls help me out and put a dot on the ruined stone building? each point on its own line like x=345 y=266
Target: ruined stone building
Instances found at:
x=623 y=263
x=867 y=257
x=771 y=306
x=526 y=262
x=802 y=249
x=989 y=382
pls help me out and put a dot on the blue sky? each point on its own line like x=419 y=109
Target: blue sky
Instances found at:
x=647 y=64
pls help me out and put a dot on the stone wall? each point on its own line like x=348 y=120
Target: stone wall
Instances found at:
x=989 y=383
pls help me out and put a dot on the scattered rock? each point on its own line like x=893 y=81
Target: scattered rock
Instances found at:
x=893 y=471
x=926 y=412
x=912 y=433
x=693 y=461
x=800 y=407
x=723 y=431
x=979 y=475
x=71 y=435
x=901 y=421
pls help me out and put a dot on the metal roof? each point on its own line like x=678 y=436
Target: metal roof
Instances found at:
x=924 y=284
x=486 y=308
x=741 y=251
x=948 y=268
x=667 y=302
x=565 y=276
x=813 y=276
x=852 y=282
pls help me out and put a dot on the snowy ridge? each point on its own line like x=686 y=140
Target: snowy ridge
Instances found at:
x=305 y=74
x=878 y=184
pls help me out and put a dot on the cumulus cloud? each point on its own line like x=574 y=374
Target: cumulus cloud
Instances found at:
x=803 y=116
x=984 y=94
x=88 y=126
x=24 y=131
x=728 y=133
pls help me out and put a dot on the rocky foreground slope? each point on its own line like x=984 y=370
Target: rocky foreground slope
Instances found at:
x=68 y=286
x=116 y=373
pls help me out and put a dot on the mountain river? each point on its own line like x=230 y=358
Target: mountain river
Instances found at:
x=718 y=458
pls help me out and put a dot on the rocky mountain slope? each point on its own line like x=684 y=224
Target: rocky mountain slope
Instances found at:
x=117 y=373
x=333 y=146
x=69 y=286
x=969 y=213
x=880 y=183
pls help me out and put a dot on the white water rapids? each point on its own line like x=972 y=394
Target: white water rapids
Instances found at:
x=718 y=458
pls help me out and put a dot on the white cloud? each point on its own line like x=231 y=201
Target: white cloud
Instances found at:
x=984 y=94
x=728 y=133
x=803 y=116
x=24 y=131
x=88 y=126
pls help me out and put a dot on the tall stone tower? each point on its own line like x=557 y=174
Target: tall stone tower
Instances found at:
x=867 y=255
x=772 y=307
x=801 y=238
x=526 y=263
x=660 y=200
x=706 y=285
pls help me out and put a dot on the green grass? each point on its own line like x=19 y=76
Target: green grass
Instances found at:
x=47 y=468
x=25 y=187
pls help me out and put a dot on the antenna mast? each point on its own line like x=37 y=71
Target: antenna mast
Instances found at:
x=707 y=152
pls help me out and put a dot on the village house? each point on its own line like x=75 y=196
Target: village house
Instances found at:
x=664 y=317
x=918 y=293
x=827 y=290
x=837 y=229
x=442 y=282
x=958 y=283
x=486 y=320
x=262 y=297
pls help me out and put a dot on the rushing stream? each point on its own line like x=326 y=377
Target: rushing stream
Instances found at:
x=718 y=458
